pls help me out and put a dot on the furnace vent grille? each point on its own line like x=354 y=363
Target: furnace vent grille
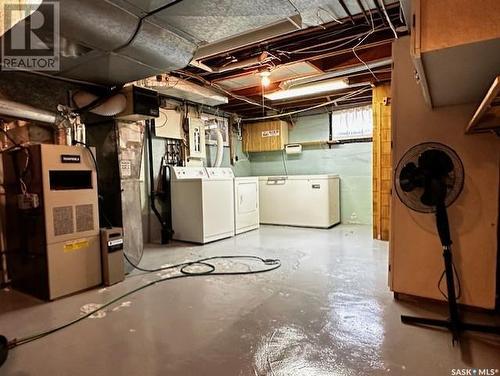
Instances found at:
x=84 y=218
x=63 y=220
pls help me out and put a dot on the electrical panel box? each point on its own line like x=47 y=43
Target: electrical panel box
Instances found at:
x=52 y=234
x=265 y=136
x=142 y=104
x=197 y=151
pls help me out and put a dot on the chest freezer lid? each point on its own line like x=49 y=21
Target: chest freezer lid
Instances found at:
x=189 y=173
x=298 y=177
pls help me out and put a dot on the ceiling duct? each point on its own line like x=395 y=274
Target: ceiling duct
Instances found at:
x=288 y=25
x=183 y=89
x=103 y=43
x=118 y=41
x=26 y=112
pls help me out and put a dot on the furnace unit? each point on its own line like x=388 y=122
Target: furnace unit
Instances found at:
x=53 y=246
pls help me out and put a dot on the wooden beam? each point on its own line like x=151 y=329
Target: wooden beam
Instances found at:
x=347 y=59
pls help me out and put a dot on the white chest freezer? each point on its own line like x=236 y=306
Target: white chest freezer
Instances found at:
x=300 y=200
x=202 y=204
x=246 y=204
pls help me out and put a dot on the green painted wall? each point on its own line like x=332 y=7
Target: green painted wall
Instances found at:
x=352 y=162
x=242 y=166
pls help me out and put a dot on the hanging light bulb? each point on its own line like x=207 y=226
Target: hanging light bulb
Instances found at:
x=264 y=78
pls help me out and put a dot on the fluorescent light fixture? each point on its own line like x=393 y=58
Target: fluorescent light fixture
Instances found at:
x=304 y=90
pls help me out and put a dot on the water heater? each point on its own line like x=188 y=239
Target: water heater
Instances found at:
x=52 y=234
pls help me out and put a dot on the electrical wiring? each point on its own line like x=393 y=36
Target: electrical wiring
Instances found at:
x=306 y=50
x=220 y=88
x=9 y=137
x=362 y=40
x=87 y=147
x=334 y=101
x=329 y=13
x=184 y=272
x=458 y=293
x=391 y=25
x=22 y=175
x=315 y=38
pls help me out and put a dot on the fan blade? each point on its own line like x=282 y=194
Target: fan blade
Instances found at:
x=427 y=198
x=436 y=163
x=409 y=178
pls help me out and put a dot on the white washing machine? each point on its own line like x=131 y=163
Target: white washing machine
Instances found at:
x=202 y=204
x=246 y=204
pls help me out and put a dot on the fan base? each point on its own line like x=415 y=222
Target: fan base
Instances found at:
x=4 y=349
x=460 y=326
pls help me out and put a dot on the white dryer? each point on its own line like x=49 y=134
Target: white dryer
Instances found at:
x=202 y=204
x=246 y=204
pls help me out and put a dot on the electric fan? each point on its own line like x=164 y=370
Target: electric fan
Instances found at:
x=429 y=178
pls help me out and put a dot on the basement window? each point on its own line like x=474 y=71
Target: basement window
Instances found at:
x=352 y=124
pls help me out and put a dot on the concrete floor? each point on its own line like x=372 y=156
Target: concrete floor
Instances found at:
x=327 y=311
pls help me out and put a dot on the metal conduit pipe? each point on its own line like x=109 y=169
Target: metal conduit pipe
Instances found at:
x=165 y=233
x=320 y=77
x=26 y=112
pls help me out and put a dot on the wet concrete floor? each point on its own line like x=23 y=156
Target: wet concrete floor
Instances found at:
x=326 y=312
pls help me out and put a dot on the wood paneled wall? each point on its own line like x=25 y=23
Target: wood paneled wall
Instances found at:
x=382 y=161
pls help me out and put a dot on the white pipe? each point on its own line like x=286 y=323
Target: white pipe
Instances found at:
x=220 y=148
x=23 y=111
x=342 y=72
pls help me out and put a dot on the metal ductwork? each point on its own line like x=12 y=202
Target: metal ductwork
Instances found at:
x=257 y=60
x=25 y=112
x=118 y=41
x=286 y=26
x=28 y=7
x=179 y=88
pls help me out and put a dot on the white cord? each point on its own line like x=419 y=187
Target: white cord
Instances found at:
x=381 y=2
x=362 y=40
x=329 y=13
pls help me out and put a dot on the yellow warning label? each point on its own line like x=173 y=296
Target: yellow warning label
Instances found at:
x=75 y=245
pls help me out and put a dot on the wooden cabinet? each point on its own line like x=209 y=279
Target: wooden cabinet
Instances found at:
x=416 y=261
x=454 y=46
x=265 y=136
x=487 y=116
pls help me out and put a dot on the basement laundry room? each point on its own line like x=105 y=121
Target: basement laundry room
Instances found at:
x=249 y=188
